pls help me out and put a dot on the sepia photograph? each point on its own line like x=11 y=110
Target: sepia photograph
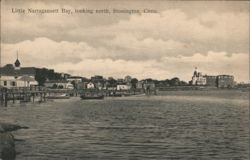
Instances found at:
x=124 y=80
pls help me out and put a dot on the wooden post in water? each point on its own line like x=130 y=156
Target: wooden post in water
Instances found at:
x=6 y=99
x=13 y=96
x=33 y=97
x=41 y=97
x=44 y=96
x=2 y=97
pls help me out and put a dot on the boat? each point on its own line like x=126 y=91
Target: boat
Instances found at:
x=85 y=97
x=61 y=96
x=119 y=94
x=92 y=93
x=114 y=94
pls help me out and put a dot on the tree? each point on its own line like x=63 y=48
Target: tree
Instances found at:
x=40 y=76
x=134 y=81
x=174 y=81
x=183 y=83
x=74 y=84
x=112 y=82
x=128 y=79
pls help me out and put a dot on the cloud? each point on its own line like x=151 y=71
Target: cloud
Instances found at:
x=82 y=59
x=208 y=31
x=225 y=31
x=132 y=48
x=44 y=51
x=169 y=43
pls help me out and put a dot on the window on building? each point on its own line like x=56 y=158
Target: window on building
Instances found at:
x=13 y=83
x=5 y=83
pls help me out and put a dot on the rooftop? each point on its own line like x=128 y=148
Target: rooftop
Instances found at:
x=9 y=70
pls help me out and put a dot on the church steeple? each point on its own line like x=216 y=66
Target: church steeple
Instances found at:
x=17 y=63
x=195 y=72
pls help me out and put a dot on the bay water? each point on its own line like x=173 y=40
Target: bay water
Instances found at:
x=206 y=125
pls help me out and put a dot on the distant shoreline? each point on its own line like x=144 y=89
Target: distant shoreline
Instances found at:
x=187 y=88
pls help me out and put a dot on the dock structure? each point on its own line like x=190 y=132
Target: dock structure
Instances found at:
x=29 y=94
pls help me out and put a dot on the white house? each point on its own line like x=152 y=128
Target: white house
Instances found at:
x=198 y=78
x=139 y=85
x=58 y=84
x=16 y=76
x=120 y=87
x=76 y=79
x=90 y=85
x=22 y=81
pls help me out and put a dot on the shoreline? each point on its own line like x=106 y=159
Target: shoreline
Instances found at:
x=7 y=140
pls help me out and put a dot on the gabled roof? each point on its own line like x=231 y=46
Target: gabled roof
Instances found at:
x=56 y=81
x=75 y=77
x=26 y=78
x=9 y=70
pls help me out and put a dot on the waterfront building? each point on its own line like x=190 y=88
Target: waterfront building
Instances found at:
x=76 y=79
x=225 y=81
x=90 y=85
x=211 y=80
x=97 y=78
x=123 y=86
x=100 y=85
x=139 y=85
x=98 y=81
x=65 y=75
x=243 y=85
x=148 y=85
x=111 y=88
x=17 y=76
x=220 y=81
x=58 y=84
x=197 y=78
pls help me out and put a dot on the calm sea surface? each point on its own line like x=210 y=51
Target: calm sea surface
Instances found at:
x=211 y=125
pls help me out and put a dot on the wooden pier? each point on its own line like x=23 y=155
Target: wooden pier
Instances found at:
x=30 y=94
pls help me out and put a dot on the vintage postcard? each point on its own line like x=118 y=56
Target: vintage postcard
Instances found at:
x=124 y=80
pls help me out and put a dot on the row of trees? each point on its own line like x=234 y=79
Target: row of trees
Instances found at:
x=171 y=82
x=43 y=74
x=160 y=83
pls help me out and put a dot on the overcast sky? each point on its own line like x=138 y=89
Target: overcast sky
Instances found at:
x=182 y=35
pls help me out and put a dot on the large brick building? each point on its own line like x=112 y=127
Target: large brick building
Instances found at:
x=211 y=80
x=220 y=81
x=225 y=81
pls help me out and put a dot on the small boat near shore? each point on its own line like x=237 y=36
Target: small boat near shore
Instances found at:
x=85 y=97
x=91 y=94
x=61 y=96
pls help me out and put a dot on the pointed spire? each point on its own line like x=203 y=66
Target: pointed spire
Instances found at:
x=17 y=63
x=195 y=72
